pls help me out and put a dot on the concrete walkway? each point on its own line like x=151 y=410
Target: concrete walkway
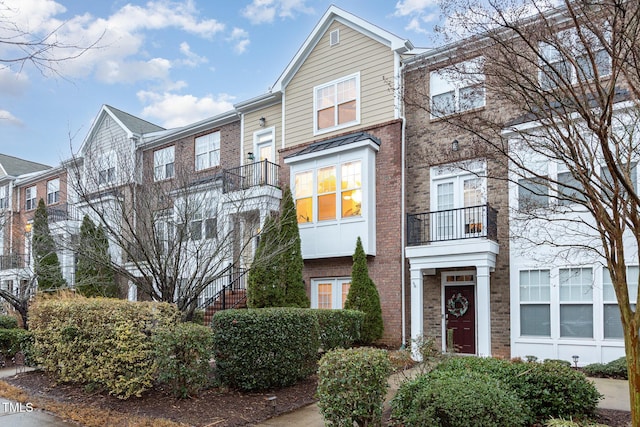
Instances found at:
x=616 y=396
x=16 y=414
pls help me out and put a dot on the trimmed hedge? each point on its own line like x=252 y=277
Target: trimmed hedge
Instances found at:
x=99 y=342
x=183 y=353
x=549 y=389
x=11 y=341
x=457 y=398
x=615 y=369
x=352 y=385
x=339 y=328
x=8 y=322
x=263 y=348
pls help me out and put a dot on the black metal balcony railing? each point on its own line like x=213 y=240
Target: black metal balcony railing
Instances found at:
x=8 y=262
x=251 y=175
x=63 y=212
x=452 y=224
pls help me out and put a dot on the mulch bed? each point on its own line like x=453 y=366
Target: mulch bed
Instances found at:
x=218 y=407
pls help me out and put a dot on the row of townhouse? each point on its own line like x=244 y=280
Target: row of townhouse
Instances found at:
x=360 y=164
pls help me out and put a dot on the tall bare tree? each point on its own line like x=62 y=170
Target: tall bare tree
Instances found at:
x=562 y=87
x=174 y=234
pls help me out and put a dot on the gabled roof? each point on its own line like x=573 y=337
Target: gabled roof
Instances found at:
x=132 y=125
x=332 y=14
x=14 y=166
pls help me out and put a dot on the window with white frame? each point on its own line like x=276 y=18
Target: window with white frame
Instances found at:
x=612 y=324
x=106 y=168
x=591 y=59
x=329 y=293
x=53 y=191
x=609 y=183
x=570 y=190
x=458 y=88
x=328 y=195
x=207 y=151
x=4 y=197
x=163 y=163
x=30 y=198
x=164 y=228
x=535 y=303
x=337 y=104
x=204 y=223
x=533 y=193
x=576 y=302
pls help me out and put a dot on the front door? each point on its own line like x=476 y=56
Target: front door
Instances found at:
x=460 y=317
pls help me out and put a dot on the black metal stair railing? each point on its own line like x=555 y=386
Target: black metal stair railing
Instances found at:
x=226 y=286
x=452 y=224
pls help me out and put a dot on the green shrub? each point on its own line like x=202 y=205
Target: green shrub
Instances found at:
x=26 y=347
x=339 y=328
x=560 y=361
x=8 y=322
x=614 y=369
x=262 y=348
x=183 y=352
x=11 y=340
x=457 y=398
x=549 y=389
x=99 y=342
x=352 y=385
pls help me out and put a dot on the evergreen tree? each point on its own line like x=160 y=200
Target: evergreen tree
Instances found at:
x=363 y=295
x=263 y=287
x=46 y=263
x=94 y=276
x=290 y=261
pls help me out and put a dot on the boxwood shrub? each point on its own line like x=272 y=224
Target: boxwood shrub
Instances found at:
x=614 y=369
x=549 y=389
x=183 y=353
x=457 y=398
x=266 y=347
x=339 y=328
x=99 y=342
x=352 y=385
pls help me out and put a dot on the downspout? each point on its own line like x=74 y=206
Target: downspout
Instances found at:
x=400 y=88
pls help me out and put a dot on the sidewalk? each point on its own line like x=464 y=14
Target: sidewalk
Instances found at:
x=16 y=414
x=616 y=396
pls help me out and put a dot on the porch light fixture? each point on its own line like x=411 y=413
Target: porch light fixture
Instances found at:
x=262 y=121
x=455 y=145
x=27 y=227
x=250 y=156
x=575 y=360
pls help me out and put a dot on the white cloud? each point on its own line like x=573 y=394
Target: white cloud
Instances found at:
x=419 y=12
x=264 y=11
x=191 y=58
x=412 y=7
x=132 y=71
x=11 y=83
x=173 y=110
x=7 y=118
x=240 y=39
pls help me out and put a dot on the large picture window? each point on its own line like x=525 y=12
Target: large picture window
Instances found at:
x=327 y=193
x=336 y=104
x=208 y=151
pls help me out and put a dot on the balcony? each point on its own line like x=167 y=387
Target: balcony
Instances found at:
x=258 y=174
x=63 y=212
x=8 y=262
x=452 y=224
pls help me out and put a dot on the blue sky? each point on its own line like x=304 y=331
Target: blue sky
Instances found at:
x=170 y=62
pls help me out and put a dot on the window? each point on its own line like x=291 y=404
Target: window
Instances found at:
x=30 y=198
x=609 y=183
x=611 y=312
x=576 y=302
x=457 y=89
x=327 y=193
x=535 y=297
x=163 y=163
x=107 y=169
x=203 y=223
x=336 y=104
x=570 y=190
x=556 y=70
x=4 y=197
x=533 y=193
x=53 y=191
x=329 y=293
x=208 y=151
x=165 y=230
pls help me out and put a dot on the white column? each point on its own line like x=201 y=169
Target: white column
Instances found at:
x=483 y=304
x=417 y=311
